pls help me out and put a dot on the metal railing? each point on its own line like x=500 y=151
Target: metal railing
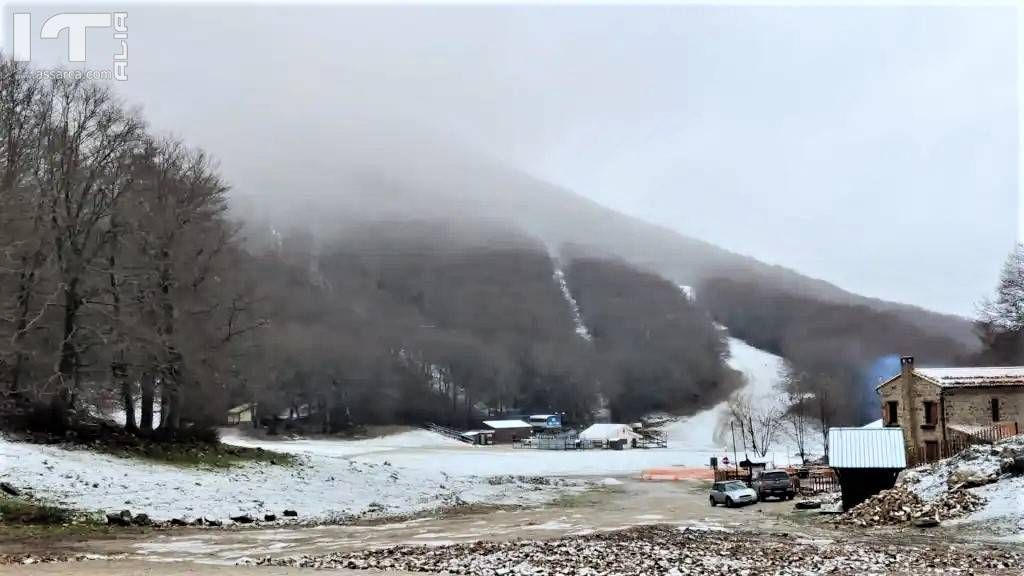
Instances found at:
x=449 y=432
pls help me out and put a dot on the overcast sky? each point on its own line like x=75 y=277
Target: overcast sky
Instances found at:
x=874 y=148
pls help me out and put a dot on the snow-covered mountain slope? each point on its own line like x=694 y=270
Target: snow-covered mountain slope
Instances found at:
x=574 y=309
x=710 y=429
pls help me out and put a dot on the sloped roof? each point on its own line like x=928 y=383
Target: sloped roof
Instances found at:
x=974 y=376
x=969 y=376
x=506 y=424
x=609 y=432
x=866 y=448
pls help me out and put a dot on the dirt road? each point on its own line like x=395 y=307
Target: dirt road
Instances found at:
x=630 y=503
x=616 y=506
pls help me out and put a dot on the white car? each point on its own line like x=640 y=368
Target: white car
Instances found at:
x=732 y=493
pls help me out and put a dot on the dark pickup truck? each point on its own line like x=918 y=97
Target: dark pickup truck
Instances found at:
x=774 y=483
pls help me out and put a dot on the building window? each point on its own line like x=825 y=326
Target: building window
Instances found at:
x=892 y=418
x=930 y=415
x=995 y=409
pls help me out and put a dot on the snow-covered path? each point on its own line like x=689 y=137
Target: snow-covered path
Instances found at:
x=710 y=429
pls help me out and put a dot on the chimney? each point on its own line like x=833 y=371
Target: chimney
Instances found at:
x=908 y=417
x=906 y=365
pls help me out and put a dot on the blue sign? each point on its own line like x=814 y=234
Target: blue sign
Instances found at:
x=553 y=422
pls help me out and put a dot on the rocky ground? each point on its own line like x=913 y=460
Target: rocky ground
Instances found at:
x=900 y=505
x=670 y=550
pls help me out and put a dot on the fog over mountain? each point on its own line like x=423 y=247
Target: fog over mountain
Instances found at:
x=864 y=146
x=449 y=213
x=440 y=181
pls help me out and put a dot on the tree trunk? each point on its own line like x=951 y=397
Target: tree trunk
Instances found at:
x=174 y=420
x=63 y=399
x=169 y=405
x=146 y=394
x=21 y=324
x=69 y=364
x=165 y=402
x=119 y=376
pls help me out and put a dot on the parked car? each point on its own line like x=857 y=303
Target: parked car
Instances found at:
x=774 y=483
x=732 y=493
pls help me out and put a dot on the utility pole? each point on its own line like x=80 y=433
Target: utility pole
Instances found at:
x=735 y=460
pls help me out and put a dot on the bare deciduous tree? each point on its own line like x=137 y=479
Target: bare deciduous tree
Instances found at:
x=759 y=421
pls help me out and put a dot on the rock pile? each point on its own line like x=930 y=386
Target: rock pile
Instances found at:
x=952 y=504
x=900 y=505
x=885 y=508
x=667 y=551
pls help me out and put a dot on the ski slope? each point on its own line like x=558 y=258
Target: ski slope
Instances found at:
x=709 y=430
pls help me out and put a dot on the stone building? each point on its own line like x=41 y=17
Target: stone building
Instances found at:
x=942 y=409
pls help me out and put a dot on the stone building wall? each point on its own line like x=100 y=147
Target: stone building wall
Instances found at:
x=955 y=405
x=974 y=405
x=911 y=412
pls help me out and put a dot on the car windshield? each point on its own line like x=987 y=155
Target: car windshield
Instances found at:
x=775 y=476
x=733 y=486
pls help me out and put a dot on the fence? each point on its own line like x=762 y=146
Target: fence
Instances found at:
x=551 y=441
x=726 y=474
x=807 y=480
x=818 y=480
x=958 y=439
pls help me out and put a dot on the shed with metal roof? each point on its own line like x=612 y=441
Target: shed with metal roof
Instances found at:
x=866 y=460
x=867 y=448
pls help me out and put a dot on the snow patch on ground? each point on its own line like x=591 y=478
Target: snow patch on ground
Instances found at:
x=345 y=448
x=1004 y=495
x=324 y=485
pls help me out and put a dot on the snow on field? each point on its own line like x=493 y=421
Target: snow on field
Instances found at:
x=428 y=452
x=322 y=486
x=345 y=448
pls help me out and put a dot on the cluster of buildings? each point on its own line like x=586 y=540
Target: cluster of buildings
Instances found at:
x=546 y=431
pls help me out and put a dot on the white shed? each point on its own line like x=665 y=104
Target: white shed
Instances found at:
x=609 y=432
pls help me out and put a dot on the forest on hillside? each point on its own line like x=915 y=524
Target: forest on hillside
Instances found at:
x=831 y=349
x=123 y=277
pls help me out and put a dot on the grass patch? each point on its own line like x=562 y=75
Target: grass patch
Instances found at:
x=190 y=448
x=49 y=538
x=199 y=455
x=21 y=511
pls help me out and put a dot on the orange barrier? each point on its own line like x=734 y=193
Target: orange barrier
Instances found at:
x=678 y=473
